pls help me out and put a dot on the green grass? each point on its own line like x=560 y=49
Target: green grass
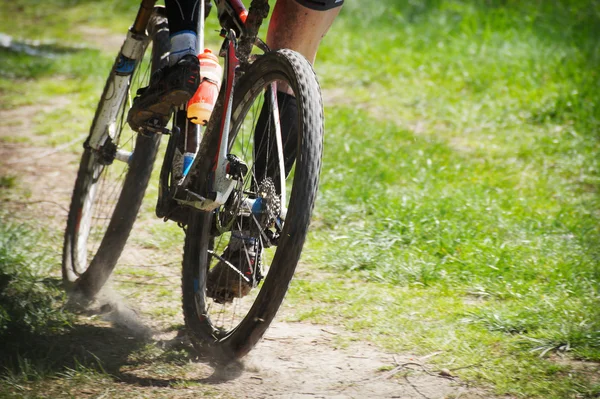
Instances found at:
x=30 y=300
x=37 y=20
x=458 y=207
x=7 y=182
x=462 y=163
x=48 y=351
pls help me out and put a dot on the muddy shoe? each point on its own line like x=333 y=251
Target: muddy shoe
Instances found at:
x=237 y=272
x=169 y=87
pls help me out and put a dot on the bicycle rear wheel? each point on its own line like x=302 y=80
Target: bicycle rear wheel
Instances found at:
x=228 y=331
x=108 y=193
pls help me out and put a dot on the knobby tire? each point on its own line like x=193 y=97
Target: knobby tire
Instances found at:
x=227 y=344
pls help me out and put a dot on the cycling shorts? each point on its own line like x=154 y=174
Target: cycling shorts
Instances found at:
x=320 y=5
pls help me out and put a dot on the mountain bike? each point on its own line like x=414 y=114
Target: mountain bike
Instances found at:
x=235 y=180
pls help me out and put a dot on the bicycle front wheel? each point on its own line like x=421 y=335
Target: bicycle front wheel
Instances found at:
x=228 y=327
x=111 y=180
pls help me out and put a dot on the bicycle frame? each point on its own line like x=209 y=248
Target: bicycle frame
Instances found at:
x=217 y=200
x=220 y=183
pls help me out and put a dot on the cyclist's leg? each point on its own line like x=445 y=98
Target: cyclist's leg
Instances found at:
x=176 y=84
x=183 y=26
x=298 y=25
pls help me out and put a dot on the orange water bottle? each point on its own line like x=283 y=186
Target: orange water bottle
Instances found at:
x=202 y=103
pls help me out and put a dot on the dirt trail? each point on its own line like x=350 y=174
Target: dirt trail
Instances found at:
x=294 y=360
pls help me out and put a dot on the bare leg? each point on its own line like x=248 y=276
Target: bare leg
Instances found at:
x=299 y=28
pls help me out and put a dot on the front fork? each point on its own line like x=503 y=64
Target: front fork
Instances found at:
x=117 y=86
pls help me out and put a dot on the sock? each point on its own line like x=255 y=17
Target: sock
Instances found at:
x=183 y=26
x=182 y=44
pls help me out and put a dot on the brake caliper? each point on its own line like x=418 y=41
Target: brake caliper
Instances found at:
x=236 y=168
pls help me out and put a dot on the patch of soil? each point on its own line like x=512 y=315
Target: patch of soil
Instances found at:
x=102 y=39
x=19 y=122
x=588 y=369
x=44 y=183
x=298 y=360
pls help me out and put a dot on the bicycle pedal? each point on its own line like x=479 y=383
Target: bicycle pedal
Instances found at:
x=153 y=126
